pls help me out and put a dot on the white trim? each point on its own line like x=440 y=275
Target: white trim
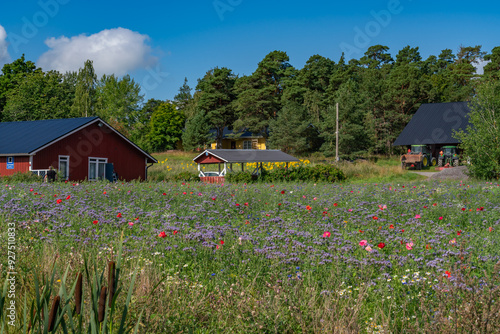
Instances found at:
x=31 y=163
x=126 y=139
x=65 y=135
x=211 y=154
x=97 y=168
x=67 y=165
x=97 y=119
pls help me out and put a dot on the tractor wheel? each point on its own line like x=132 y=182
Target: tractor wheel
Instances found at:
x=440 y=162
x=433 y=161
x=425 y=161
x=455 y=163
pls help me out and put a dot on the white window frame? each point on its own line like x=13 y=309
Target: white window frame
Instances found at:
x=247 y=142
x=66 y=172
x=97 y=160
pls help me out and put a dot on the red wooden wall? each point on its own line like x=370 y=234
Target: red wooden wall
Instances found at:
x=95 y=142
x=21 y=164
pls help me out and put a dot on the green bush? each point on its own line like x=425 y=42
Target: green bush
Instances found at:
x=186 y=176
x=317 y=173
x=21 y=177
x=239 y=177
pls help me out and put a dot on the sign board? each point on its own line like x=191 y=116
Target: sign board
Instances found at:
x=10 y=162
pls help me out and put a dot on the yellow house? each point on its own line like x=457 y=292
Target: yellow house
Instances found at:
x=246 y=141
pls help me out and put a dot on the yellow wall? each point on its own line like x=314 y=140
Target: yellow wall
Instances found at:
x=226 y=144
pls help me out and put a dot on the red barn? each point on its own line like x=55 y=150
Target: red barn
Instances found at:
x=79 y=148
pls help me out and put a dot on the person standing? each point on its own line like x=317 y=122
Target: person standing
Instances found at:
x=51 y=175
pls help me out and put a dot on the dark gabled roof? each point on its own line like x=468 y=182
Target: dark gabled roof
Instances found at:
x=235 y=156
x=238 y=134
x=28 y=136
x=433 y=123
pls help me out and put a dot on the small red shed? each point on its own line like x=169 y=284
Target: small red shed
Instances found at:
x=84 y=148
x=223 y=157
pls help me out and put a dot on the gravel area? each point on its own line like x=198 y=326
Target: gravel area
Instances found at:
x=455 y=173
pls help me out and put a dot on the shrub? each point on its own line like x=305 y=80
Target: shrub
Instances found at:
x=317 y=173
x=186 y=176
x=239 y=177
x=21 y=177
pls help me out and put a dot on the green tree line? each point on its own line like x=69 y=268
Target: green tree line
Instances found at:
x=294 y=109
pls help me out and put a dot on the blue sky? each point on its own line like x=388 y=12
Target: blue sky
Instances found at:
x=160 y=42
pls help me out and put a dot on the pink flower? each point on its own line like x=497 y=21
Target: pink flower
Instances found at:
x=453 y=241
x=130 y=224
x=409 y=245
x=350 y=210
x=368 y=248
x=363 y=243
x=440 y=218
x=326 y=234
x=417 y=216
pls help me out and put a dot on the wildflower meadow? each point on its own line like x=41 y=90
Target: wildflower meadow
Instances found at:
x=264 y=258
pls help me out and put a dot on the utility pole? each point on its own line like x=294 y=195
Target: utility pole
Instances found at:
x=337 y=136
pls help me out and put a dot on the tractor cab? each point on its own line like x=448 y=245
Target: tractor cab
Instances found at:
x=448 y=156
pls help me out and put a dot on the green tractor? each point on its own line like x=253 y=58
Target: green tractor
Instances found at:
x=419 y=156
x=448 y=155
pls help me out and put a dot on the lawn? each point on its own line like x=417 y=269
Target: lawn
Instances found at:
x=271 y=258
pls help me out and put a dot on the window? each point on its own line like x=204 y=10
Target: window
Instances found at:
x=97 y=167
x=247 y=145
x=64 y=166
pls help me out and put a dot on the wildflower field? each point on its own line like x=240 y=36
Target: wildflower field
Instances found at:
x=271 y=258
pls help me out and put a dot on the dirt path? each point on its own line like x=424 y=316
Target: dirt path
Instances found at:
x=428 y=174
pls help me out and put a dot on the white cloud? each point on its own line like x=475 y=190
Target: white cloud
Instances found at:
x=4 y=52
x=113 y=51
x=480 y=66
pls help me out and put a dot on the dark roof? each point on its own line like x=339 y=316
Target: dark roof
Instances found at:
x=26 y=137
x=240 y=134
x=433 y=123
x=234 y=156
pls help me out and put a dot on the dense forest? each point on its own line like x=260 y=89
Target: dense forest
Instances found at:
x=293 y=108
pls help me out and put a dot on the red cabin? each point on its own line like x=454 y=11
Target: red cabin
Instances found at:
x=79 y=148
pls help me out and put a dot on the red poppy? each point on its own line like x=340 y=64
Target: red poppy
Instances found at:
x=162 y=234
x=463 y=209
x=31 y=189
x=459 y=232
x=381 y=245
x=175 y=232
x=425 y=207
x=335 y=204
x=325 y=213
x=237 y=204
x=480 y=209
x=119 y=215
x=247 y=222
x=282 y=192
x=184 y=193
x=402 y=231
x=104 y=193
x=428 y=246
x=246 y=204
x=95 y=222
x=434 y=204
x=391 y=226
x=401 y=242
x=69 y=196
x=308 y=207
x=490 y=229
x=360 y=231
x=59 y=201
x=447 y=273
x=222 y=242
x=375 y=217
x=164 y=194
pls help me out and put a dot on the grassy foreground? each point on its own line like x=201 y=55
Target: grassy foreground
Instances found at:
x=264 y=258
